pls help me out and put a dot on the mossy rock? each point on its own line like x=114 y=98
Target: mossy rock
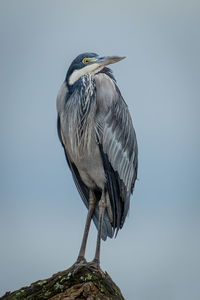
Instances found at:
x=86 y=283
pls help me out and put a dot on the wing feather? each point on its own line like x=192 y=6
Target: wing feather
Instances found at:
x=81 y=187
x=118 y=146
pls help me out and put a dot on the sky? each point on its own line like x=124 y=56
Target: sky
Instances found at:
x=156 y=254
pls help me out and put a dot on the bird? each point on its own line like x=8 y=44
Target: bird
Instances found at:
x=96 y=131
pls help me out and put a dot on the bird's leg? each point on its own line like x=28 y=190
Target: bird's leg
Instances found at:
x=102 y=206
x=92 y=202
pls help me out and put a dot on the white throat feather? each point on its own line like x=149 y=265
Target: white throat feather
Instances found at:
x=89 y=69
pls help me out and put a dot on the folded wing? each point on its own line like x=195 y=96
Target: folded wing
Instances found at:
x=118 y=146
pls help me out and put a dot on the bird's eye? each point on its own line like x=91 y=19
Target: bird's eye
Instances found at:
x=86 y=61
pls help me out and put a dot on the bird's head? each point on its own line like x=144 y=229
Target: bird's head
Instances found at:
x=88 y=63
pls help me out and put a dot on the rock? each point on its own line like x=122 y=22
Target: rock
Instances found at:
x=85 y=283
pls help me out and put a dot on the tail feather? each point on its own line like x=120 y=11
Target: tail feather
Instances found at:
x=107 y=230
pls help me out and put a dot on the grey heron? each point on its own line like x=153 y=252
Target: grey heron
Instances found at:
x=96 y=131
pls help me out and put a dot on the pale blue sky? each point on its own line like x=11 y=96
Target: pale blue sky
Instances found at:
x=156 y=255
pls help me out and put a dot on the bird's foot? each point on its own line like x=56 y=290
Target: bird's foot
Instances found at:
x=80 y=263
x=94 y=266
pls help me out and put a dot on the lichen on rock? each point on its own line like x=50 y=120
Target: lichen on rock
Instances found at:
x=69 y=285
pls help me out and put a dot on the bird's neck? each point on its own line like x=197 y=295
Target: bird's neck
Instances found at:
x=81 y=113
x=83 y=85
x=85 y=80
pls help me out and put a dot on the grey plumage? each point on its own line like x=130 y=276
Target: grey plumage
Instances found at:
x=96 y=131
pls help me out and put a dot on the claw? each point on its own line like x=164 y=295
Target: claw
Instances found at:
x=80 y=263
x=94 y=266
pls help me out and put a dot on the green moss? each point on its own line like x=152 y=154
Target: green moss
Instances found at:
x=42 y=282
x=58 y=286
x=69 y=275
x=88 y=277
x=63 y=279
x=47 y=293
x=102 y=289
x=18 y=295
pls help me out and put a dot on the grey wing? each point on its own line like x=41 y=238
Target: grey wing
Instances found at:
x=81 y=187
x=60 y=103
x=118 y=147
